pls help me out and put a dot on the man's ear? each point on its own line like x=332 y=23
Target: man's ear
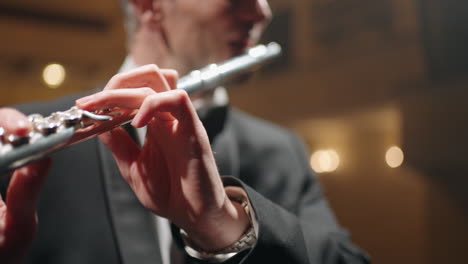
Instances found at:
x=142 y=5
x=147 y=10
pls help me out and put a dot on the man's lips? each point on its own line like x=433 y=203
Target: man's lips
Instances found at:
x=241 y=44
x=242 y=38
x=237 y=48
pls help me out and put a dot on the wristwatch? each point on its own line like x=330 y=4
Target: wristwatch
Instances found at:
x=246 y=241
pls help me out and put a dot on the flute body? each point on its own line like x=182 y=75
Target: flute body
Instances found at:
x=66 y=128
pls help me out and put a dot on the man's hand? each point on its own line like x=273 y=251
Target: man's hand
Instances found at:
x=18 y=219
x=174 y=173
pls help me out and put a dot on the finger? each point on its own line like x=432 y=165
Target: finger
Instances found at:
x=14 y=122
x=145 y=76
x=123 y=98
x=172 y=76
x=2 y=221
x=123 y=148
x=2 y=205
x=175 y=102
x=20 y=219
x=23 y=191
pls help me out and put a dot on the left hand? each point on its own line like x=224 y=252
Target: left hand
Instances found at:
x=174 y=173
x=18 y=217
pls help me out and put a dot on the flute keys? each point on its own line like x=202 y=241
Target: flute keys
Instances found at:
x=100 y=115
x=4 y=146
x=70 y=120
x=11 y=139
x=35 y=117
x=71 y=117
x=2 y=136
x=17 y=141
x=46 y=127
x=42 y=125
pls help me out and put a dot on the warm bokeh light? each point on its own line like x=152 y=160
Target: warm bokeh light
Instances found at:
x=53 y=75
x=325 y=161
x=394 y=157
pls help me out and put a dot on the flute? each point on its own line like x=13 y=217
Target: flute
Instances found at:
x=66 y=128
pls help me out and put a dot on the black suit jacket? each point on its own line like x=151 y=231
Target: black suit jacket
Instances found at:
x=85 y=204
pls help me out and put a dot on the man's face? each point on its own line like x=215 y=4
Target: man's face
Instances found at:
x=200 y=32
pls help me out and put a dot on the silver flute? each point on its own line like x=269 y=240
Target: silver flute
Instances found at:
x=66 y=128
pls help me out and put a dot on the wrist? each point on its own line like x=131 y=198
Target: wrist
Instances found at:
x=227 y=228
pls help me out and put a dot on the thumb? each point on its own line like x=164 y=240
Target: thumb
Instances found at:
x=19 y=227
x=23 y=192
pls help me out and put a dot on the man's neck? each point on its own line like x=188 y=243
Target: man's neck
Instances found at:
x=147 y=47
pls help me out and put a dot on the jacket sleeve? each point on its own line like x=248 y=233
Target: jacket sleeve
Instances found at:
x=305 y=232
x=310 y=237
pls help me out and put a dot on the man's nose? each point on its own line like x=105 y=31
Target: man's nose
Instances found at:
x=256 y=11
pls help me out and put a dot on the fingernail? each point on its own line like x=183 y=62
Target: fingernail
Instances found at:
x=23 y=171
x=22 y=128
x=134 y=123
x=21 y=124
x=84 y=100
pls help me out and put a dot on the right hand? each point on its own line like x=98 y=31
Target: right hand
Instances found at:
x=174 y=173
x=18 y=218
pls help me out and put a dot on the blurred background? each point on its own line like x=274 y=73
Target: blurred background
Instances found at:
x=377 y=89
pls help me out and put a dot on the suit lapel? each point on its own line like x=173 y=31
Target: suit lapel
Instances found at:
x=222 y=138
x=133 y=225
